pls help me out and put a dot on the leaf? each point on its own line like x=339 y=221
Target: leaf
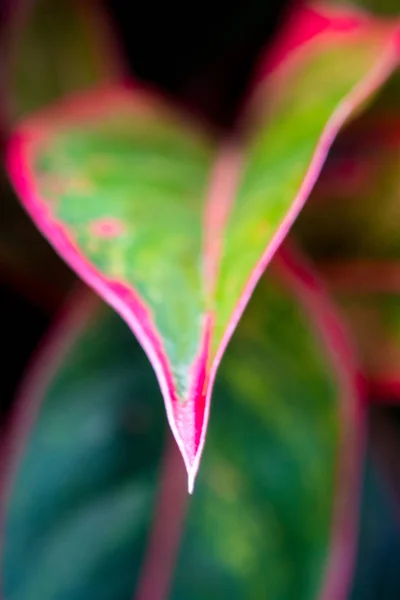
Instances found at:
x=286 y=431
x=375 y=320
x=354 y=210
x=368 y=293
x=173 y=227
x=49 y=49
x=58 y=48
x=356 y=205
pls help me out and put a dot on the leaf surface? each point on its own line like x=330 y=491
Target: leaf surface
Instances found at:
x=275 y=507
x=173 y=227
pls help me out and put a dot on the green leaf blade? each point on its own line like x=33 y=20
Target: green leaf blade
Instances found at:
x=278 y=491
x=173 y=227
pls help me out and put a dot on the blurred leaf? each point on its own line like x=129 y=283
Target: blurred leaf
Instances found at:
x=377 y=573
x=59 y=47
x=376 y=322
x=368 y=293
x=285 y=430
x=174 y=229
x=49 y=48
x=354 y=211
x=351 y=224
x=380 y=7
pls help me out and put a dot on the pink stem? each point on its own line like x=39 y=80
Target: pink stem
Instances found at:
x=169 y=517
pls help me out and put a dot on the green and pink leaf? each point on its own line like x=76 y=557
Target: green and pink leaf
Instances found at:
x=351 y=226
x=174 y=227
x=85 y=444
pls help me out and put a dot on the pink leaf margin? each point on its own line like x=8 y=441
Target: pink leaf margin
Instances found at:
x=311 y=23
x=122 y=298
x=295 y=272
x=299 y=279
x=381 y=71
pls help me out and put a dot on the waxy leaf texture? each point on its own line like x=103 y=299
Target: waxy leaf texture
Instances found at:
x=275 y=509
x=173 y=226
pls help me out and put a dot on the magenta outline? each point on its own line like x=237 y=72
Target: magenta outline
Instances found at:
x=32 y=132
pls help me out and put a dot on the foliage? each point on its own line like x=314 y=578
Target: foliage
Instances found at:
x=176 y=220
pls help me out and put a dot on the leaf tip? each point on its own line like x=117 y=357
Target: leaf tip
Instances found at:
x=191 y=457
x=191 y=480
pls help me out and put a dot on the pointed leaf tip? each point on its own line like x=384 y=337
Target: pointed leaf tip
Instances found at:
x=172 y=228
x=311 y=424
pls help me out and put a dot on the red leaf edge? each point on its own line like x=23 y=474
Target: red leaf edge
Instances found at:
x=297 y=276
x=305 y=285
x=188 y=422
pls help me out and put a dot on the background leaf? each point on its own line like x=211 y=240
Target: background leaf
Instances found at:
x=354 y=210
x=378 y=556
x=82 y=498
x=48 y=49
x=56 y=49
x=351 y=226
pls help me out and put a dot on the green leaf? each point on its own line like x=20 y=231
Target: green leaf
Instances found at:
x=172 y=226
x=357 y=242
x=278 y=490
x=49 y=49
